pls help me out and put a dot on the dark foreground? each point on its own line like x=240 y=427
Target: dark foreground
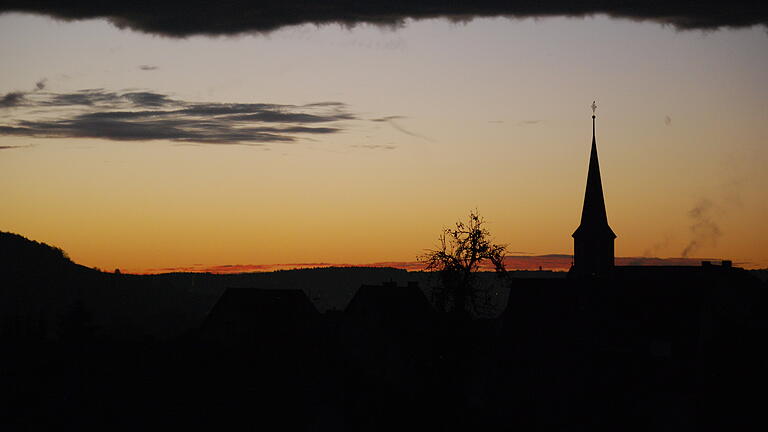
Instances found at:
x=647 y=350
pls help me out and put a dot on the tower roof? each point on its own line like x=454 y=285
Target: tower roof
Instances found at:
x=594 y=220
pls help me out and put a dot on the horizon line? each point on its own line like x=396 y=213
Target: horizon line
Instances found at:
x=548 y=262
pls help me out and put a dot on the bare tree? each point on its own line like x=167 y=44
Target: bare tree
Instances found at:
x=458 y=257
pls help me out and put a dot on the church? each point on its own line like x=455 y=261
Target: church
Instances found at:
x=593 y=240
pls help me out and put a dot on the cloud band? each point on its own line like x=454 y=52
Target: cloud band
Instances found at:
x=185 y=18
x=139 y=115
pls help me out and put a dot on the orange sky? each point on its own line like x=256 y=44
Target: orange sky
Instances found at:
x=442 y=119
x=560 y=263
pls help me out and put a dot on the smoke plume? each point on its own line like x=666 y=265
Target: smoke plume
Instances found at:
x=704 y=229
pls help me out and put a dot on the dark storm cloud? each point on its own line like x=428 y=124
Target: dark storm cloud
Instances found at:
x=127 y=116
x=184 y=18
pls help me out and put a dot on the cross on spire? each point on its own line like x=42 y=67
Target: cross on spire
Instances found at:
x=593 y=239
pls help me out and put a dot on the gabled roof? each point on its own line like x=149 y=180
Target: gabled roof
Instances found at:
x=252 y=311
x=389 y=298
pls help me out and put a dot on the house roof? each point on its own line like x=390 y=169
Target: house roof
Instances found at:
x=262 y=311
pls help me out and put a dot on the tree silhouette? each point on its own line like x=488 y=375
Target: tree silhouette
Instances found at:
x=460 y=253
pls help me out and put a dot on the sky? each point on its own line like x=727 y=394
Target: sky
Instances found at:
x=357 y=144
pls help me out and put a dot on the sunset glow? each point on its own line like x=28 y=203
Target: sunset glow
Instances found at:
x=327 y=145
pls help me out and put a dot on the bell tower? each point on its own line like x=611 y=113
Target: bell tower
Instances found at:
x=593 y=254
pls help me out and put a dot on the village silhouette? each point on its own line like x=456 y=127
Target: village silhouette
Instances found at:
x=601 y=347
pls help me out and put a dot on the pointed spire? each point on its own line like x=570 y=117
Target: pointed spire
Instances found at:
x=593 y=254
x=594 y=219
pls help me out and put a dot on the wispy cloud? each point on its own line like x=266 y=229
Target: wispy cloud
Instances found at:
x=387 y=118
x=177 y=18
x=374 y=146
x=529 y=122
x=148 y=67
x=391 y=121
x=16 y=98
x=11 y=99
x=232 y=268
x=146 y=115
x=7 y=147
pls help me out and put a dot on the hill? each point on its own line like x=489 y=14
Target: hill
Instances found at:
x=18 y=254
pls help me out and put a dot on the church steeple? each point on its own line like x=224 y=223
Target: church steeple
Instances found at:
x=593 y=239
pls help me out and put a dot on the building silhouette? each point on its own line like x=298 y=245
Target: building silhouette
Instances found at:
x=262 y=319
x=593 y=253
